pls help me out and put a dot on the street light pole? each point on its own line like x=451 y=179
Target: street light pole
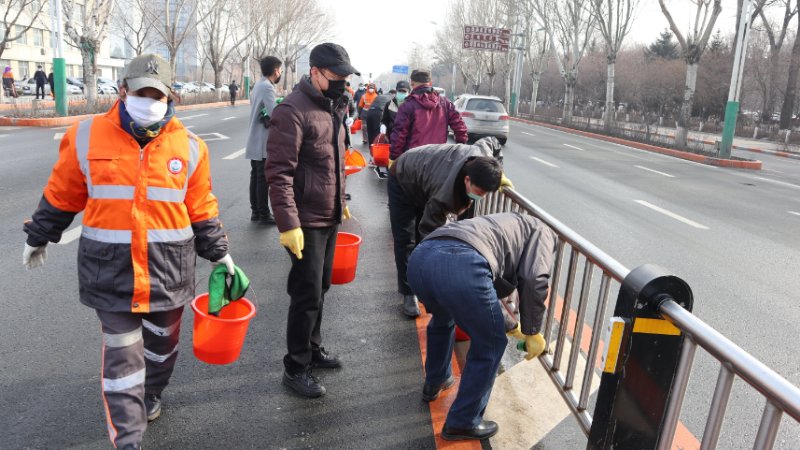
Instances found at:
x=732 y=107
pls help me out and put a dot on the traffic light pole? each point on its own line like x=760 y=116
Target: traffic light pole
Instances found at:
x=732 y=107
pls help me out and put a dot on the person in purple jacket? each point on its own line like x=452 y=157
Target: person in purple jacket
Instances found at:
x=423 y=118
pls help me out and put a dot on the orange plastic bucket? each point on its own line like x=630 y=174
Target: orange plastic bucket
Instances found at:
x=345 y=258
x=356 y=126
x=353 y=161
x=218 y=340
x=380 y=154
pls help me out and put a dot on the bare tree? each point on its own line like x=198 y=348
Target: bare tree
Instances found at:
x=131 y=21
x=791 y=84
x=692 y=47
x=570 y=24
x=86 y=30
x=614 y=19
x=174 y=21
x=776 y=35
x=18 y=17
x=222 y=36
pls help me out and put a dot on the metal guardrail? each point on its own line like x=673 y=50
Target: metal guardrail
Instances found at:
x=781 y=396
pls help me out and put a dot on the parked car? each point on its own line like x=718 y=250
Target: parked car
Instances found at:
x=29 y=88
x=209 y=86
x=106 y=89
x=484 y=116
x=75 y=82
x=191 y=88
x=107 y=82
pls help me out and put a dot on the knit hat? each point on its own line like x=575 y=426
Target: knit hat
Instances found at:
x=421 y=76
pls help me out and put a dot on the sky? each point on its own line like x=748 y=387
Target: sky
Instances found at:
x=379 y=33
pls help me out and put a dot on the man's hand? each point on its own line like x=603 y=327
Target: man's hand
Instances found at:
x=534 y=345
x=228 y=261
x=294 y=241
x=505 y=183
x=516 y=333
x=346 y=213
x=33 y=257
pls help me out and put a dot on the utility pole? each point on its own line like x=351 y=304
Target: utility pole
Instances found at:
x=732 y=107
x=453 y=84
x=60 y=67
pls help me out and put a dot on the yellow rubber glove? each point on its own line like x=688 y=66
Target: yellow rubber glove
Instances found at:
x=346 y=213
x=391 y=161
x=534 y=345
x=516 y=333
x=505 y=182
x=294 y=241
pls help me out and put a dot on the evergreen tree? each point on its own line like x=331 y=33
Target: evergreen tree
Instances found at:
x=663 y=47
x=717 y=44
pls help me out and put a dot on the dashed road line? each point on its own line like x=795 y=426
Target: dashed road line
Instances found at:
x=529 y=134
x=782 y=183
x=235 y=154
x=58 y=136
x=655 y=171
x=229 y=118
x=70 y=235
x=794 y=212
x=543 y=162
x=192 y=117
x=576 y=148
x=59 y=128
x=189 y=127
x=214 y=137
x=671 y=214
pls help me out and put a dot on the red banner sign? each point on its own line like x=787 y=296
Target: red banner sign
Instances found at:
x=486 y=38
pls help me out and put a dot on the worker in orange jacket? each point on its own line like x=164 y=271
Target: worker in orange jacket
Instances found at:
x=143 y=183
x=364 y=104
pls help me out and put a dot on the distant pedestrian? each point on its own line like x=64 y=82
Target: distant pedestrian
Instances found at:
x=233 y=89
x=40 y=78
x=305 y=171
x=8 y=82
x=390 y=110
x=424 y=117
x=52 y=83
x=262 y=102
x=364 y=104
x=373 y=117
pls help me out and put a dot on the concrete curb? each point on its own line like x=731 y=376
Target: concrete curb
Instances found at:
x=750 y=165
x=71 y=120
x=757 y=150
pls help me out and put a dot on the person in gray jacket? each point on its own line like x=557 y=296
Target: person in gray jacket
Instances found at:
x=262 y=102
x=429 y=182
x=459 y=272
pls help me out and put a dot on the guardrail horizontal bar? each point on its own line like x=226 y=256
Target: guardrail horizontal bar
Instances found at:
x=755 y=373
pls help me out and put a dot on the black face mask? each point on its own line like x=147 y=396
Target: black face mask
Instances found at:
x=335 y=88
x=278 y=80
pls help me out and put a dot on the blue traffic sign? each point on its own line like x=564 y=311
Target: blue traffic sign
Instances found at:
x=400 y=69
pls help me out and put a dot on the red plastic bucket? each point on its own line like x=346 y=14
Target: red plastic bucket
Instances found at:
x=345 y=258
x=380 y=154
x=218 y=340
x=356 y=126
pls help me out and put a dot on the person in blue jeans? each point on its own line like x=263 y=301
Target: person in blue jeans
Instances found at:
x=459 y=272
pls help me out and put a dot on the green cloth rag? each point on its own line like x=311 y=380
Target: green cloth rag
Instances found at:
x=220 y=293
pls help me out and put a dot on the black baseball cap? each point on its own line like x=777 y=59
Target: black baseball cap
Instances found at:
x=403 y=84
x=332 y=57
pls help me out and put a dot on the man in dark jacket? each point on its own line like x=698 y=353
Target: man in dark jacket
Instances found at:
x=233 y=89
x=373 y=116
x=459 y=271
x=428 y=183
x=305 y=172
x=51 y=82
x=424 y=117
x=390 y=110
x=40 y=78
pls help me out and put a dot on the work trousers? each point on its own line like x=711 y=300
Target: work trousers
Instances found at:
x=454 y=282
x=39 y=88
x=404 y=217
x=309 y=280
x=139 y=354
x=259 y=190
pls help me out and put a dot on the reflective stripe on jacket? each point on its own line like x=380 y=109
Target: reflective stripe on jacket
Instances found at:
x=147 y=213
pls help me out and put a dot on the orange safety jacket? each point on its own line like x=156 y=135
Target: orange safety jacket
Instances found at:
x=366 y=100
x=148 y=211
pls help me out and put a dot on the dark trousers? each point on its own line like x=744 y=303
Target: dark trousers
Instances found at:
x=52 y=90
x=233 y=98
x=454 y=282
x=139 y=354
x=259 y=190
x=404 y=216
x=40 y=88
x=309 y=280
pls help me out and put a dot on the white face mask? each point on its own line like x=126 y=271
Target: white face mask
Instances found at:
x=144 y=110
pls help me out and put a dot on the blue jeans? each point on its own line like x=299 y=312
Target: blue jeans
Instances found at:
x=454 y=282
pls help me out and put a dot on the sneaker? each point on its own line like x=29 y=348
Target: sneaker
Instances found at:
x=324 y=360
x=132 y=447
x=431 y=392
x=304 y=384
x=267 y=219
x=152 y=404
x=410 y=306
x=255 y=217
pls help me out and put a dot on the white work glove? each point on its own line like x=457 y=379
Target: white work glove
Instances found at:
x=383 y=129
x=33 y=257
x=349 y=121
x=228 y=261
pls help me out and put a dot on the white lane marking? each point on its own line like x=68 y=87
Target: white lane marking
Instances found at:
x=671 y=214
x=59 y=128
x=58 y=136
x=543 y=162
x=655 y=171
x=192 y=117
x=783 y=183
x=576 y=148
x=235 y=154
x=70 y=235
x=214 y=137
x=794 y=212
x=189 y=127
x=229 y=118
x=3 y=135
x=529 y=134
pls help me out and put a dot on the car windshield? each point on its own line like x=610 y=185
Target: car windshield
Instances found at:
x=485 y=105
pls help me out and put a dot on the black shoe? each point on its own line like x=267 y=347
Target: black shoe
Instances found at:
x=304 y=384
x=485 y=430
x=255 y=217
x=132 y=447
x=267 y=219
x=152 y=404
x=431 y=392
x=324 y=360
x=410 y=306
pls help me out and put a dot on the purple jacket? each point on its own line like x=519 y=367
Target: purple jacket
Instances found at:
x=423 y=119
